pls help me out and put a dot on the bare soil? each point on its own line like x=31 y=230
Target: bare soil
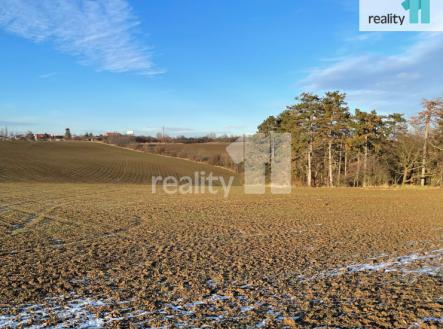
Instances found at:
x=110 y=255
x=86 y=162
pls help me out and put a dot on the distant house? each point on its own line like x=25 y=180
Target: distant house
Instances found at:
x=112 y=134
x=58 y=138
x=41 y=137
x=20 y=137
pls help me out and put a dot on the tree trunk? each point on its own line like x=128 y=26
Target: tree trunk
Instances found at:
x=339 y=165
x=365 y=163
x=309 y=172
x=405 y=175
x=357 y=174
x=294 y=170
x=331 y=180
x=425 y=150
x=346 y=163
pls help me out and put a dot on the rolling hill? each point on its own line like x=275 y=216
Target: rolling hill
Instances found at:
x=211 y=153
x=85 y=162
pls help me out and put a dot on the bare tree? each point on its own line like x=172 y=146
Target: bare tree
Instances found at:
x=432 y=109
x=408 y=155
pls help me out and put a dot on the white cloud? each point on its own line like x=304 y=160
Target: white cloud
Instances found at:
x=47 y=75
x=99 y=33
x=364 y=37
x=387 y=83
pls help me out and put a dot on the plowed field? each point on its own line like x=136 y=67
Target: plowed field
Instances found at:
x=85 y=162
x=115 y=255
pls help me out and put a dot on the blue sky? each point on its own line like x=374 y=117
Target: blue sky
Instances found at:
x=198 y=66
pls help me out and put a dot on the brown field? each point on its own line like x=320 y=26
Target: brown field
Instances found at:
x=117 y=255
x=85 y=162
x=212 y=153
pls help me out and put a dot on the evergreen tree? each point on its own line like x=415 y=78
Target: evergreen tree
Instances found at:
x=366 y=148
x=335 y=120
x=306 y=116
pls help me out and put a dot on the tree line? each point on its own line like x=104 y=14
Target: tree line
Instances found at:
x=333 y=147
x=209 y=138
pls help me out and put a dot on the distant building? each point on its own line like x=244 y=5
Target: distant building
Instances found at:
x=130 y=133
x=112 y=134
x=41 y=137
x=68 y=133
x=20 y=137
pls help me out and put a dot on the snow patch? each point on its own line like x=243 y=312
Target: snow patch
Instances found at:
x=426 y=264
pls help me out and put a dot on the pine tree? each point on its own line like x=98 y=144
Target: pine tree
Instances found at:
x=334 y=123
x=306 y=116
